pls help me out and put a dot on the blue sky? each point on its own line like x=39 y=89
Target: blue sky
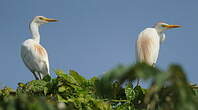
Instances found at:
x=95 y=35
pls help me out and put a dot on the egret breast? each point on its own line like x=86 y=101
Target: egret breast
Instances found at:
x=40 y=50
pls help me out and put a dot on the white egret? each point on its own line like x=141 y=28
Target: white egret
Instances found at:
x=34 y=55
x=148 y=42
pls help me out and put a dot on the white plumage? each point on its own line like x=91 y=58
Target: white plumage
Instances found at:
x=148 y=42
x=33 y=54
x=148 y=45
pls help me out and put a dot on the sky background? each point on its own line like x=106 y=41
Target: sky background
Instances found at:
x=94 y=36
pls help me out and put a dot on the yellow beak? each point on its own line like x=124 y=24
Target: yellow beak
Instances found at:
x=172 y=26
x=50 y=20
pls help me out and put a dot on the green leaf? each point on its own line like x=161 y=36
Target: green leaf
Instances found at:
x=46 y=90
x=60 y=98
x=61 y=89
x=130 y=93
x=66 y=77
x=47 y=78
x=59 y=73
x=77 y=77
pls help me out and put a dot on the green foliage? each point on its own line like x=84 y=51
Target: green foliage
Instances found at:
x=169 y=90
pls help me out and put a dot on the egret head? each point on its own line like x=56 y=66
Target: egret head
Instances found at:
x=42 y=20
x=161 y=26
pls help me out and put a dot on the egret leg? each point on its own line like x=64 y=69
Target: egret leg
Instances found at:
x=36 y=77
x=138 y=82
x=154 y=64
x=40 y=76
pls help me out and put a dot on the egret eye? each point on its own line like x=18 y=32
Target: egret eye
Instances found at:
x=41 y=18
x=163 y=25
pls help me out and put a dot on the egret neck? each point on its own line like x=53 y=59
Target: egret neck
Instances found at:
x=34 y=28
x=161 y=34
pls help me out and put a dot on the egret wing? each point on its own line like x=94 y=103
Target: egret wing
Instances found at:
x=35 y=58
x=147 y=46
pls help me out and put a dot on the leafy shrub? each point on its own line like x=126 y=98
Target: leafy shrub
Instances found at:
x=169 y=90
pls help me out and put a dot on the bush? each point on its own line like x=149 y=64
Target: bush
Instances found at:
x=169 y=90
